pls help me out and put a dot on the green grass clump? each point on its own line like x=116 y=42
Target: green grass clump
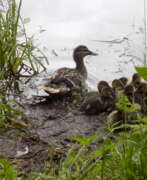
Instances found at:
x=124 y=158
x=19 y=57
x=7 y=171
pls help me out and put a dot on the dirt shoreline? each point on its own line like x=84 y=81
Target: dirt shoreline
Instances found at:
x=53 y=124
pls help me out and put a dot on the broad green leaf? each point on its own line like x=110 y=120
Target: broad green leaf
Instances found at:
x=142 y=71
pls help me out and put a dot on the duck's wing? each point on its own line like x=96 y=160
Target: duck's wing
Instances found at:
x=64 y=80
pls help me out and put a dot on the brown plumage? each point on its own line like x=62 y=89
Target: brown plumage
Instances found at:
x=136 y=80
x=117 y=85
x=101 y=85
x=141 y=95
x=129 y=92
x=124 y=81
x=65 y=80
x=95 y=102
x=92 y=103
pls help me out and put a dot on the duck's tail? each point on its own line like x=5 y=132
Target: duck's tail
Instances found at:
x=56 y=91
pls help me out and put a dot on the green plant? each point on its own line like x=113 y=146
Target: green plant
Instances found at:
x=19 y=57
x=7 y=171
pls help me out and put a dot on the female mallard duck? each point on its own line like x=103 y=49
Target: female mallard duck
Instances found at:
x=65 y=80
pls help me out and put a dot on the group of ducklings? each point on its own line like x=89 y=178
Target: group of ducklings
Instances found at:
x=107 y=96
x=66 y=80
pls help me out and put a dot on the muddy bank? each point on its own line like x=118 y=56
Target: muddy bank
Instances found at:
x=52 y=123
x=58 y=120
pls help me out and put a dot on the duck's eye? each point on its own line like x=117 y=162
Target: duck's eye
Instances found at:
x=84 y=48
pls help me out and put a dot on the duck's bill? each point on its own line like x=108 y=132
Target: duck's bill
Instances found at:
x=93 y=53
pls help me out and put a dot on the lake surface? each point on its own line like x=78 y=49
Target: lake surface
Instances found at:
x=114 y=29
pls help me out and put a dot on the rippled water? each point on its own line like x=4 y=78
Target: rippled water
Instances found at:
x=118 y=25
x=115 y=59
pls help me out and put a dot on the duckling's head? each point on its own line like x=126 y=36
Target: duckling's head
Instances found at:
x=136 y=79
x=101 y=85
x=123 y=80
x=108 y=92
x=81 y=51
x=142 y=87
x=117 y=85
x=129 y=90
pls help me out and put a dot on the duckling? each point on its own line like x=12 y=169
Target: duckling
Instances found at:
x=136 y=79
x=117 y=85
x=66 y=80
x=101 y=85
x=108 y=98
x=141 y=95
x=129 y=92
x=92 y=103
x=95 y=102
x=118 y=88
x=124 y=81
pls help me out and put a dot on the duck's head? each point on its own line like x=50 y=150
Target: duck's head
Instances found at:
x=101 y=85
x=81 y=51
x=136 y=80
x=129 y=90
x=108 y=92
x=117 y=85
x=142 y=87
x=123 y=80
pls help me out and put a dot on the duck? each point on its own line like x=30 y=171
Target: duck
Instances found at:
x=66 y=80
x=101 y=85
x=92 y=103
x=108 y=97
x=136 y=80
x=129 y=91
x=97 y=102
x=124 y=81
x=141 y=95
x=117 y=85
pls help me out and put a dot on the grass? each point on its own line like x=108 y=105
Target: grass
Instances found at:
x=124 y=158
x=17 y=55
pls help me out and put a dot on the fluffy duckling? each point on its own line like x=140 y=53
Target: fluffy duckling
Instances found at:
x=92 y=103
x=101 y=85
x=124 y=81
x=108 y=98
x=117 y=85
x=141 y=95
x=136 y=80
x=65 y=80
x=129 y=92
x=96 y=103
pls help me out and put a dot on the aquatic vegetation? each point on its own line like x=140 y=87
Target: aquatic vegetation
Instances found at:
x=19 y=57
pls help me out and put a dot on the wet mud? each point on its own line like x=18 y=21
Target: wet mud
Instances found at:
x=52 y=123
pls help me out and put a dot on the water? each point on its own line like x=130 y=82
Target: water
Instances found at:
x=58 y=25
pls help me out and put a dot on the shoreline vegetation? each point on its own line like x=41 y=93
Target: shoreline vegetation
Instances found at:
x=119 y=153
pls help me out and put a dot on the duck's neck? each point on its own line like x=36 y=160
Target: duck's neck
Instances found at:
x=80 y=66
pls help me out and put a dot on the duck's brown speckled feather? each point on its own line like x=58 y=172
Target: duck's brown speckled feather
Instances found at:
x=67 y=79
